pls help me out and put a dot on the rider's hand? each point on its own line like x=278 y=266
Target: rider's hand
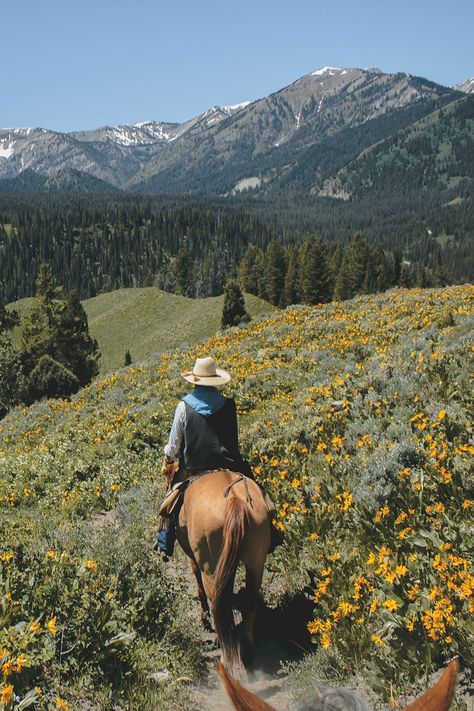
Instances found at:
x=168 y=468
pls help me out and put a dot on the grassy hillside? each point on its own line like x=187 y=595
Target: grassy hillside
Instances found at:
x=358 y=419
x=149 y=321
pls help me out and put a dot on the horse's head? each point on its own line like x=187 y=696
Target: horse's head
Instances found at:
x=437 y=698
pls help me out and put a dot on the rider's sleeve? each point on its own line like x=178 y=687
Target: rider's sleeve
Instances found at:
x=173 y=447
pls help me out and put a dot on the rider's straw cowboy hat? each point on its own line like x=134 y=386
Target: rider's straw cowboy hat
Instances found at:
x=205 y=372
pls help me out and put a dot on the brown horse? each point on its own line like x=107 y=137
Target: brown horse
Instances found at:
x=223 y=520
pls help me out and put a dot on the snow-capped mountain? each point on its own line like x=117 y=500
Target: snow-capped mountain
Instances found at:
x=466 y=86
x=251 y=144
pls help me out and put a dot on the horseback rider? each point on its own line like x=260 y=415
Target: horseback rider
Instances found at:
x=203 y=437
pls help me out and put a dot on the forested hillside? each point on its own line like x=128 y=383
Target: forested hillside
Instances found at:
x=99 y=243
x=436 y=152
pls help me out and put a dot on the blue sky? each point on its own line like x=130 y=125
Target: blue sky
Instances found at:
x=67 y=65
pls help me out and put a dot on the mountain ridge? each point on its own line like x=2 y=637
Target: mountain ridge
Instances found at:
x=247 y=146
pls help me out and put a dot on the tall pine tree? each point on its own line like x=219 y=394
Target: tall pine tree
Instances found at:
x=353 y=271
x=56 y=343
x=233 y=312
x=316 y=278
x=275 y=271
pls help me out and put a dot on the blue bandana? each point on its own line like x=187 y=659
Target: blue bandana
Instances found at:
x=205 y=399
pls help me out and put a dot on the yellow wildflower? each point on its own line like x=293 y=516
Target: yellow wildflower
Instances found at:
x=21 y=661
x=51 y=626
x=8 y=668
x=6 y=694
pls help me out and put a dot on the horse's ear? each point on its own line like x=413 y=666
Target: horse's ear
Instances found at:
x=242 y=699
x=439 y=697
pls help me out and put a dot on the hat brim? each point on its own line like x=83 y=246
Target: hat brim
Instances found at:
x=220 y=378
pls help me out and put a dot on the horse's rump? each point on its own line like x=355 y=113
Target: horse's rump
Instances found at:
x=223 y=520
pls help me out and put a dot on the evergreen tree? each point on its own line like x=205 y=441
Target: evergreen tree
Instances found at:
x=8 y=319
x=57 y=329
x=259 y=272
x=127 y=359
x=184 y=272
x=76 y=349
x=233 y=311
x=334 y=261
x=292 y=289
x=10 y=364
x=49 y=378
x=275 y=271
x=353 y=273
x=40 y=333
x=406 y=278
x=248 y=277
x=315 y=282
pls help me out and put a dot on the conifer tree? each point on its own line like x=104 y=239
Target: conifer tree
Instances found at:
x=334 y=261
x=248 y=272
x=406 y=279
x=56 y=341
x=184 y=272
x=9 y=361
x=127 y=359
x=260 y=272
x=233 y=311
x=353 y=271
x=77 y=350
x=275 y=271
x=316 y=284
x=292 y=289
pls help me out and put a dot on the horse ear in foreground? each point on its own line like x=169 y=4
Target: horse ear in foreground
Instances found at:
x=224 y=520
x=437 y=698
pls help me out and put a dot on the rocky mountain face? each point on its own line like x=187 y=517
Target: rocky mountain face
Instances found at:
x=467 y=86
x=292 y=142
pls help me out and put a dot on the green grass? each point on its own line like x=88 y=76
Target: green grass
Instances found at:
x=147 y=321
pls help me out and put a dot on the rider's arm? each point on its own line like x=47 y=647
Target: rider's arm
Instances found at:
x=173 y=446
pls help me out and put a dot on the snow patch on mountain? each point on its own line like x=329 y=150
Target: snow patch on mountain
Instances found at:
x=6 y=150
x=236 y=107
x=466 y=86
x=326 y=70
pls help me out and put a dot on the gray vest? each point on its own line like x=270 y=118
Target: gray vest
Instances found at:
x=212 y=442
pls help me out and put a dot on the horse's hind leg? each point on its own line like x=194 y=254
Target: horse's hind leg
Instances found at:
x=253 y=582
x=205 y=613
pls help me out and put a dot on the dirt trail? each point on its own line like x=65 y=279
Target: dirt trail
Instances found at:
x=280 y=636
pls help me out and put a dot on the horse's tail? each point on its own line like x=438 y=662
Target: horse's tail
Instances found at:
x=234 y=530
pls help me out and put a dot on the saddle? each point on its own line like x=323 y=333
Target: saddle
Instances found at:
x=174 y=497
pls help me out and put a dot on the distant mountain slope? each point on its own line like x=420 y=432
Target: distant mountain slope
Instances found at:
x=265 y=141
x=64 y=182
x=148 y=321
x=436 y=152
x=292 y=140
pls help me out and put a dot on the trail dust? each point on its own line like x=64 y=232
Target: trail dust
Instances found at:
x=280 y=636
